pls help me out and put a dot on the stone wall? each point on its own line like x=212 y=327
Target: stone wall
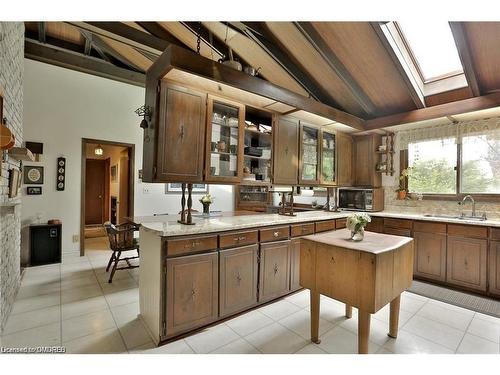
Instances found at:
x=11 y=84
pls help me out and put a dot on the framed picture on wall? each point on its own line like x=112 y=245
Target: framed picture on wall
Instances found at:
x=34 y=190
x=33 y=175
x=176 y=188
x=114 y=173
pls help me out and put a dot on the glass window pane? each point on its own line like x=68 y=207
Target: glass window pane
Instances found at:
x=433 y=47
x=433 y=166
x=480 y=171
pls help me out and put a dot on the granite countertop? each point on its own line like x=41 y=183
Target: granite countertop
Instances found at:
x=167 y=225
x=374 y=243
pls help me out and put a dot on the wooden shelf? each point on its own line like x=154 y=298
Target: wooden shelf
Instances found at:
x=256 y=132
x=256 y=157
x=226 y=125
x=223 y=153
x=21 y=153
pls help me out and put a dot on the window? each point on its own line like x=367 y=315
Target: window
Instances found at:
x=467 y=164
x=433 y=48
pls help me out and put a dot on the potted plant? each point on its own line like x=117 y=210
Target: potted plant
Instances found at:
x=402 y=177
x=206 y=201
x=356 y=224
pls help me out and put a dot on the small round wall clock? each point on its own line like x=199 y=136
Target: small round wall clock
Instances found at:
x=33 y=175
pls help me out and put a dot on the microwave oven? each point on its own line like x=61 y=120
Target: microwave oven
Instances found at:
x=361 y=199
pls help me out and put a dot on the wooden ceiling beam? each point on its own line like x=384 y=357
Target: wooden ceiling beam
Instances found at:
x=336 y=65
x=90 y=40
x=414 y=92
x=35 y=50
x=442 y=110
x=258 y=32
x=458 y=31
x=42 y=32
x=159 y=32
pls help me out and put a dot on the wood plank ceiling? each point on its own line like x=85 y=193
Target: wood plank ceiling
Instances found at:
x=347 y=65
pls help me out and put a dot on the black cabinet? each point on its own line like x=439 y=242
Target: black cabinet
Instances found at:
x=45 y=244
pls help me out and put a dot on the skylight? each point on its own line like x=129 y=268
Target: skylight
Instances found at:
x=433 y=48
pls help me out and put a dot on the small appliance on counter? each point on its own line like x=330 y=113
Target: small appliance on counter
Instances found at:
x=361 y=199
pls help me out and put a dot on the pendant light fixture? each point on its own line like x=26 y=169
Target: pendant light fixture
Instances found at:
x=98 y=150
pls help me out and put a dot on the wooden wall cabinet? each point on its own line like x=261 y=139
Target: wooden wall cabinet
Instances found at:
x=345 y=165
x=192 y=292
x=467 y=262
x=494 y=268
x=180 y=134
x=238 y=279
x=430 y=255
x=224 y=141
x=285 y=151
x=328 y=157
x=366 y=160
x=274 y=279
x=309 y=155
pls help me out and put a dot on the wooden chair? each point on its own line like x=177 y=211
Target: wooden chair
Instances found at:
x=121 y=238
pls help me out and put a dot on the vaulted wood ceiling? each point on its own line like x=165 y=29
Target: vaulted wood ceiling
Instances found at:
x=347 y=65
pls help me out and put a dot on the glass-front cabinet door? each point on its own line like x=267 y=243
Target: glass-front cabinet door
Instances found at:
x=309 y=155
x=328 y=170
x=224 y=161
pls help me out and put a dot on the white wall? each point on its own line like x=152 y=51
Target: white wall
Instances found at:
x=61 y=107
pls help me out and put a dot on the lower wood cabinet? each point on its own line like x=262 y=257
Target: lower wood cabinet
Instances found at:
x=238 y=279
x=294 y=264
x=430 y=255
x=467 y=262
x=494 y=268
x=192 y=292
x=274 y=278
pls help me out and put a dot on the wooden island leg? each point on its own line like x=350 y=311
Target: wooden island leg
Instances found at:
x=315 y=297
x=363 y=331
x=348 y=311
x=394 y=317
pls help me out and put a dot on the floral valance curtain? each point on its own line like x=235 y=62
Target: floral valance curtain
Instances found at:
x=490 y=127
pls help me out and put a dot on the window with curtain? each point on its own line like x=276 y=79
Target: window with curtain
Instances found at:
x=462 y=158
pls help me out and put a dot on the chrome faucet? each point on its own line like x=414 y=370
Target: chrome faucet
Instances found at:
x=468 y=196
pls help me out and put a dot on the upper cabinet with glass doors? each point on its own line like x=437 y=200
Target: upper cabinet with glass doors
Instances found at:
x=328 y=161
x=309 y=155
x=224 y=150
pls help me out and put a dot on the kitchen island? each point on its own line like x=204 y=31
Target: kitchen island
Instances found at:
x=192 y=276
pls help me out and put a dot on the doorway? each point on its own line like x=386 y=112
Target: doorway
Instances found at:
x=107 y=190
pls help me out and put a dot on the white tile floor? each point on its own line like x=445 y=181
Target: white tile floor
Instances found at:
x=73 y=305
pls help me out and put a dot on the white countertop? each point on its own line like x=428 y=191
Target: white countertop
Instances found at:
x=374 y=243
x=167 y=225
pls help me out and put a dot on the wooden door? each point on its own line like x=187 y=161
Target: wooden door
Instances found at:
x=95 y=191
x=181 y=135
x=494 y=268
x=328 y=159
x=295 y=264
x=123 y=202
x=430 y=256
x=274 y=270
x=192 y=292
x=224 y=141
x=467 y=262
x=286 y=151
x=344 y=159
x=238 y=279
x=309 y=155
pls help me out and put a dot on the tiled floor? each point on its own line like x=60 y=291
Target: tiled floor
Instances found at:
x=73 y=305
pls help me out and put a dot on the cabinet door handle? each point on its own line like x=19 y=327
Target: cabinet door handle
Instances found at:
x=304 y=229
x=238 y=278
x=276 y=234
x=241 y=238
x=181 y=134
x=428 y=258
x=333 y=260
x=466 y=263
x=193 y=292
x=275 y=268
x=193 y=244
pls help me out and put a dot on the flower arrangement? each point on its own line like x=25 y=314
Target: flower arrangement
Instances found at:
x=206 y=201
x=356 y=224
x=405 y=173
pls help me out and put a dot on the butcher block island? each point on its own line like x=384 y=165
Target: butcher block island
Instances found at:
x=366 y=274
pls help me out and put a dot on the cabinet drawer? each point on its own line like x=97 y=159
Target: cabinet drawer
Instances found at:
x=467 y=231
x=422 y=226
x=397 y=223
x=376 y=225
x=238 y=239
x=191 y=245
x=397 y=231
x=297 y=230
x=495 y=233
x=323 y=226
x=274 y=234
x=340 y=223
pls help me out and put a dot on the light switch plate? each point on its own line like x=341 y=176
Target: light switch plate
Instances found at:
x=76 y=238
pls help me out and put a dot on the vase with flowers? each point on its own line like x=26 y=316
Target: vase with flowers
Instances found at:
x=206 y=201
x=403 y=176
x=356 y=224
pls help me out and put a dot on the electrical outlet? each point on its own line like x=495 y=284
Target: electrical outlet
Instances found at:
x=145 y=189
x=76 y=238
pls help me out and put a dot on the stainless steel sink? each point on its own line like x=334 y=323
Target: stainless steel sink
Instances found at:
x=474 y=218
